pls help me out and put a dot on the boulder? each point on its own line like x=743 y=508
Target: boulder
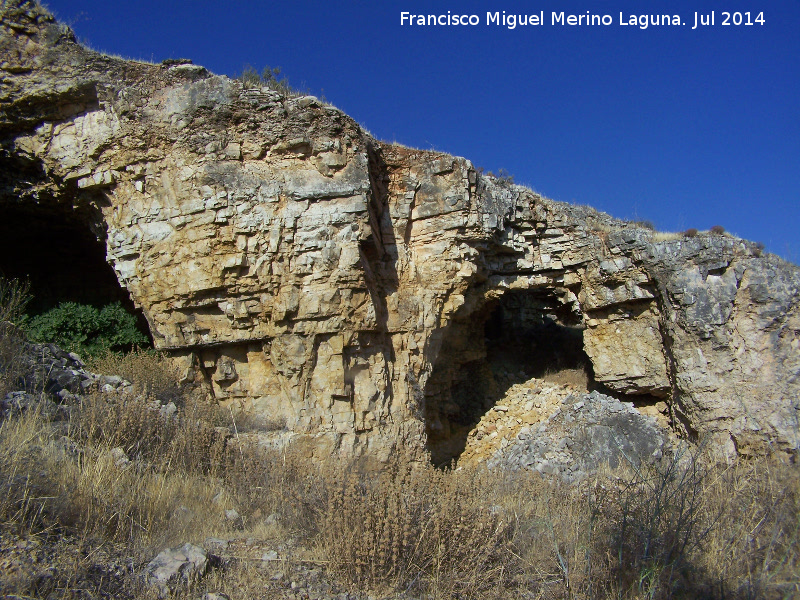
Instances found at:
x=174 y=567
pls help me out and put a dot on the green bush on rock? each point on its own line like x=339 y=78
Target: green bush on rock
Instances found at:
x=86 y=329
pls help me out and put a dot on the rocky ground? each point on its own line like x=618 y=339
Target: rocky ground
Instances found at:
x=557 y=430
x=59 y=374
x=560 y=430
x=66 y=567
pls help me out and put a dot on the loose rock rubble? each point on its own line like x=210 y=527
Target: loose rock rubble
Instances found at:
x=49 y=373
x=524 y=404
x=558 y=431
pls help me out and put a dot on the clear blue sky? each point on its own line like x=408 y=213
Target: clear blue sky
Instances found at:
x=685 y=128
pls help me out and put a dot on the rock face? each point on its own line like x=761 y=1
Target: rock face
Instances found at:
x=366 y=292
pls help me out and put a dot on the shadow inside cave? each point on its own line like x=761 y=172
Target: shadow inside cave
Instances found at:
x=523 y=334
x=56 y=251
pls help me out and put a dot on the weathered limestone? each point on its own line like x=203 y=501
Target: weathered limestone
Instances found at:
x=308 y=272
x=175 y=567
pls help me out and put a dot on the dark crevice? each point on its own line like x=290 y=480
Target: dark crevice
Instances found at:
x=58 y=251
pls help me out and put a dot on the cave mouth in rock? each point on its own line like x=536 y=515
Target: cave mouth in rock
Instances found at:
x=521 y=335
x=58 y=253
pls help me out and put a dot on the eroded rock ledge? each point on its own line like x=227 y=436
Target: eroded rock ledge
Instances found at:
x=361 y=291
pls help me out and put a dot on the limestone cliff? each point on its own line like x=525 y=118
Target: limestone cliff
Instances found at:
x=361 y=291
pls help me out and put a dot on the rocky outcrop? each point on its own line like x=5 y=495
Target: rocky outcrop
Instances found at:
x=41 y=373
x=365 y=292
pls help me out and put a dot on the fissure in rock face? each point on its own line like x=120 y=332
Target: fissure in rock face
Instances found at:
x=361 y=292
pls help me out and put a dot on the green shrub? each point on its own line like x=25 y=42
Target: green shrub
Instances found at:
x=87 y=329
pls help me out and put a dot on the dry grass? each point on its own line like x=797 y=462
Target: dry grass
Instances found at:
x=151 y=372
x=577 y=378
x=678 y=529
x=754 y=551
x=50 y=480
x=667 y=236
x=77 y=500
x=188 y=441
x=13 y=299
x=415 y=527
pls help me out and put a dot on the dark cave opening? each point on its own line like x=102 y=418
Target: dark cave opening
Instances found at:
x=530 y=334
x=58 y=254
x=520 y=335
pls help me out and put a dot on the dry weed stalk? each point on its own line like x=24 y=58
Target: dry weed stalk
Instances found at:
x=414 y=525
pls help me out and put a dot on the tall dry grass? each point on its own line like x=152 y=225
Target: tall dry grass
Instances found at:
x=13 y=300
x=51 y=480
x=682 y=528
x=187 y=441
x=152 y=373
x=754 y=548
x=412 y=526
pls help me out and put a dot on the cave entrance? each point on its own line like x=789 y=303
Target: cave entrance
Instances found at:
x=62 y=255
x=518 y=336
x=535 y=334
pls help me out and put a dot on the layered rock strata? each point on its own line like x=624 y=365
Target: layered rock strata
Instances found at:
x=356 y=289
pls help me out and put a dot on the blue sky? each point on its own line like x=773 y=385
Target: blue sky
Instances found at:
x=682 y=127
